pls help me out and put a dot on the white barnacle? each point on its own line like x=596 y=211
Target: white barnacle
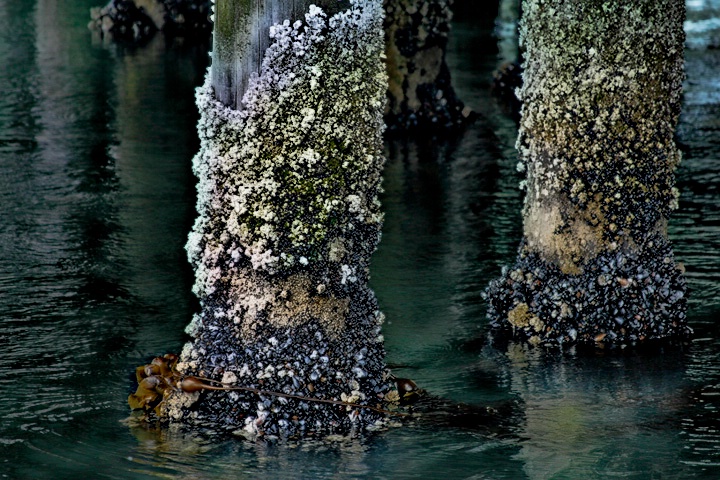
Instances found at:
x=354 y=203
x=348 y=274
x=229 y=378
x=308 y=117
x=244 y=371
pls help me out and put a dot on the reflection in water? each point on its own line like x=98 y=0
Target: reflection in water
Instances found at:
x=97 y=199
x=700 y=423
x=443 y=199
x=188 y=456
x=50 y=257
x=72 y=317
x=695 y=227
x=592 y=415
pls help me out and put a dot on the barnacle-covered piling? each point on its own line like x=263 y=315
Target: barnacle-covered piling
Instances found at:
x=601 y=99
x=420 y=93
x=288 y=219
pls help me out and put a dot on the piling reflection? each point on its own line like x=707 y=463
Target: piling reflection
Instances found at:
x=153 y=165
x=183 y=455
x=590 y=413
x=69 y=313
x=507 y=30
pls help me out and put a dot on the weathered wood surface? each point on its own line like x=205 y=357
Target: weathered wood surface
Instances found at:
x=242 y=34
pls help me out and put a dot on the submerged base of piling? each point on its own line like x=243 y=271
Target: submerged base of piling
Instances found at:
x=621 y=298
x=304 y=373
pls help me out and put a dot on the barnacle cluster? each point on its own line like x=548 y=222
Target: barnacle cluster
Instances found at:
x=298 y=167
x=288 y=219
x=601 y=98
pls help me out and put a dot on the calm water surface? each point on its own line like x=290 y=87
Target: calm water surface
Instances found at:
x=96 y=198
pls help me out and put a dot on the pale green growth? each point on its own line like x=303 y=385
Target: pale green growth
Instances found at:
x=601 y=99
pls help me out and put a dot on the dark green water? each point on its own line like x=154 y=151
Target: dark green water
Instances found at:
x=96 y=199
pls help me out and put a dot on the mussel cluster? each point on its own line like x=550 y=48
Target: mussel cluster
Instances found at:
x=620 y=299
x=321 y=385
x=160 y=378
